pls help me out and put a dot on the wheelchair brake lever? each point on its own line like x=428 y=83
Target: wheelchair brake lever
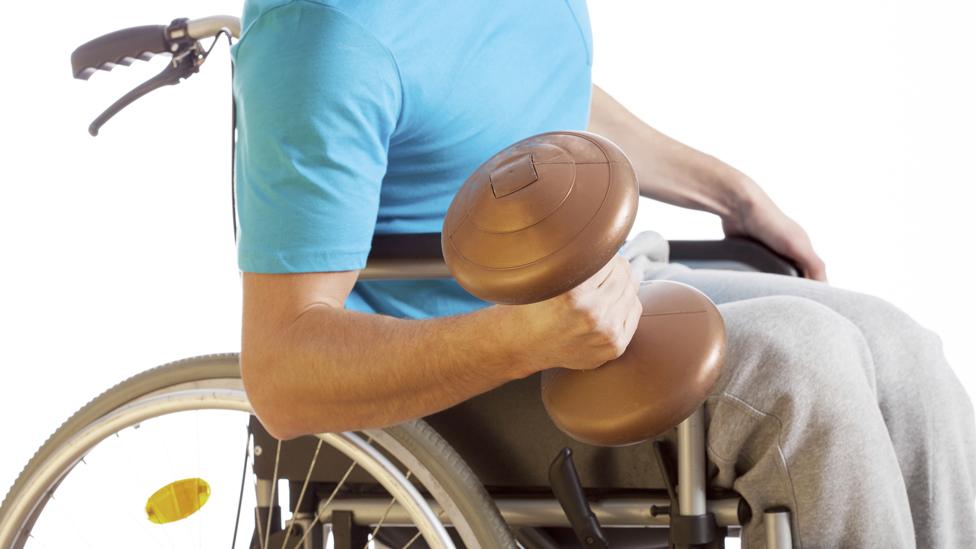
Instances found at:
x=667 y=469
x=568 y=489
x=182 y=66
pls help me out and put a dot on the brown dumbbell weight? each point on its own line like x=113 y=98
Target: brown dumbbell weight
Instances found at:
x=539 y=218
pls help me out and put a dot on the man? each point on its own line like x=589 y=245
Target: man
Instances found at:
x=363 y=117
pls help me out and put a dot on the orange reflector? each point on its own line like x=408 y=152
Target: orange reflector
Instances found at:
x=177 y=500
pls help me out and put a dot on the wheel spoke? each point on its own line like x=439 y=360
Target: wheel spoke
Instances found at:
x=411 y=540
x=301 y=494
x=271 y=503
x=240 y=496
x=111 y=415
x=320 y=512
x=386 y=512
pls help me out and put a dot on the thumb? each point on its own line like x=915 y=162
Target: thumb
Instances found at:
x=817 y=272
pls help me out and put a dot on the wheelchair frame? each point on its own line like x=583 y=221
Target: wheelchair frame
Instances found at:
x=693 y=519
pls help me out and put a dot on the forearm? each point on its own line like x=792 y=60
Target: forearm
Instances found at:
x=668 y=170
x=334 y=369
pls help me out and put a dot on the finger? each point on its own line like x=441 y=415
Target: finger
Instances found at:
x=623 y=303
x=634 y=269
x=631 y=322
x=600 y=277
x=815 y=270
x=618 y=287
x=810 y=264
x=800 y=250
x=614 y=264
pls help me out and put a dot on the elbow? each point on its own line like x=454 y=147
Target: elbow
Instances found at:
x=271 y=402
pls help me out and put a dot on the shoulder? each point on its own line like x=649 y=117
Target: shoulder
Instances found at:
x=307 y=47
x=314 y=22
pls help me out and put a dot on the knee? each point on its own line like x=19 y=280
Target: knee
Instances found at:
x=797 y=345
x=911 y=362
x=796 y=371
x=791 y=330
x=886 y=325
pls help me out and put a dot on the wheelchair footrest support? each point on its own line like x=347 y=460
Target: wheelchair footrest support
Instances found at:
x=685 y=531
x=346 y=534
x=695 y=531
x=779 y=534
x=261 y=522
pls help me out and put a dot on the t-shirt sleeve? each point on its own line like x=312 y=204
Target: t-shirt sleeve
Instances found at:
x=318 y=98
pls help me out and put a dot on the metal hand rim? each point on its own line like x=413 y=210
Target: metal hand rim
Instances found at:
x=229 y=395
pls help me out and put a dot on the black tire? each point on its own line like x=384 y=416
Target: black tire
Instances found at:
x=416 y=440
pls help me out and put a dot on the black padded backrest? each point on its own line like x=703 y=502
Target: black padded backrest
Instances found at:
x=740 y=254
x=505 y=437
x=406 y=246
x=509 y=441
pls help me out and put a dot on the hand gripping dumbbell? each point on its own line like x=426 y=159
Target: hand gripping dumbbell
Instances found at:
x=539 y=218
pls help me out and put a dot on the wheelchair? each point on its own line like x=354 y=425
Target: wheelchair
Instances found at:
x=490 y=472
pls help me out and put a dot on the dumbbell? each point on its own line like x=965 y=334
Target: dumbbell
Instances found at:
x=539 y=218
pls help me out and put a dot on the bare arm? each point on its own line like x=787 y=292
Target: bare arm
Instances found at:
x=311 y=366
x=668 y=170
x=675 y=173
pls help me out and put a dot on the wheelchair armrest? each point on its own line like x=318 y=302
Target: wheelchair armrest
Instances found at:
x=418 y=256
x=736 y=254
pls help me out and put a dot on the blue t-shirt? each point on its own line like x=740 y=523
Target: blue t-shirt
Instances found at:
x=357 y=117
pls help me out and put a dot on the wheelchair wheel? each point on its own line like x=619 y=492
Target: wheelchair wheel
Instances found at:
x=152 y=424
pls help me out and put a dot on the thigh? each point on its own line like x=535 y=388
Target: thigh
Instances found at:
x=793 y=421
x=724 y=286
x=880 y=321
x=907 y=358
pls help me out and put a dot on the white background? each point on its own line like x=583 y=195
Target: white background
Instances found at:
x=117 y=252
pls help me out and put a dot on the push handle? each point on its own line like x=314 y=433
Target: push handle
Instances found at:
x=121 y=47
x=180 y=39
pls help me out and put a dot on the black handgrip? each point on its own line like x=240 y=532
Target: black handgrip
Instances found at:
x=118 y=48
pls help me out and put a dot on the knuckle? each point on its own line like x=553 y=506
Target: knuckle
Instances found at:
x=620 y=348
x=575 y=298
x=621 y=341
x=614 y=338
x=610 y=352
x=591 y=320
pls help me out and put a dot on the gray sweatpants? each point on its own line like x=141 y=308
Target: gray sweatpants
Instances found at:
x=838 y=406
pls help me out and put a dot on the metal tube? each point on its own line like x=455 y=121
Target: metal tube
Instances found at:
x=389 y=269
x=778 y=532
x=206 y=27
x=611 y=512
x=691 y=465
x=262 y=492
